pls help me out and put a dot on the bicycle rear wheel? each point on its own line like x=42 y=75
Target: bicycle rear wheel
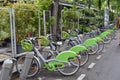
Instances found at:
x=71 y=68
x=101 y=47
x=34 y=68
x=94 y=49
x=84 y=58
x=107 y=39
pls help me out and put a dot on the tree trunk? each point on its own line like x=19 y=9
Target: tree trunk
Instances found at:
x=55 y=14
x=108 y=3
x=99 y=4
x=89 y=4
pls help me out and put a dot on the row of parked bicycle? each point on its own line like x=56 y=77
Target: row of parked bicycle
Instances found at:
x=66 y=57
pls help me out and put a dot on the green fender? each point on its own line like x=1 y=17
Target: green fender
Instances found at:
x=104 y=34
x=51 y=66
x=90 y=42
x=99 y=39
x=94 y=39
x=114 y=28
x=63 y=56
x=110 y=30
x=78 y=48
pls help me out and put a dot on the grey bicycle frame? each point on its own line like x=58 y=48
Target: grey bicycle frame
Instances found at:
x=44 y=60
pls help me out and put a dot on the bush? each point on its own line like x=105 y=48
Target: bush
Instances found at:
x=26 y=21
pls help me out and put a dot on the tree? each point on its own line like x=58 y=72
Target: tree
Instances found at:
x=99 y=4
x=55 y=14
x=108 y=3
x=89 y=3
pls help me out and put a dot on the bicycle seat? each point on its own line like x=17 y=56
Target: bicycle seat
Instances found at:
x=73 y=38
x=55 y=44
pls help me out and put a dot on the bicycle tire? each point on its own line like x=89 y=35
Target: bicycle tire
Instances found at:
x=107 y=39
x=69 y=68
x=84 y=58
x=101 y=46
x=113 y=35
x=35 y=61
x=93 y=50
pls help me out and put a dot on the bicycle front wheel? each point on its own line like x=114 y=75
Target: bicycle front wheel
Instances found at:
x=71 y=68
x=34 y=68
x=93 y=49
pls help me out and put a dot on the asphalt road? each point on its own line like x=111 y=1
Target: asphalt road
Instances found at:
x=108 y=68
x=105 y=68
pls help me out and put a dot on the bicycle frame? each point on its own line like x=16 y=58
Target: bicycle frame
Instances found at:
x=47 y=63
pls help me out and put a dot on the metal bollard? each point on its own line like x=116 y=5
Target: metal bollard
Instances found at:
x=6 y=70
x=26 y=66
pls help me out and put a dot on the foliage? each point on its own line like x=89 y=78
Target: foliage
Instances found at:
x=94 y=27
x=112 y=17
x=43 y=4
x=70 y=13
x=4 y=35
x=4 y=24
x=49 y=23
x=89 y=12
x=86 y=29
x=31 y=17
x=70 y=17
x=26 y=17
x=24 y=13
x=85 y=16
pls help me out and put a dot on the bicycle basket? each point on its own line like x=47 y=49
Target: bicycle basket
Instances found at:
x=26 y=45
x=44 y=41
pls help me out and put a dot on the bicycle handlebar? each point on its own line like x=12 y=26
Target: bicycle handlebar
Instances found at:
x=32 y=39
